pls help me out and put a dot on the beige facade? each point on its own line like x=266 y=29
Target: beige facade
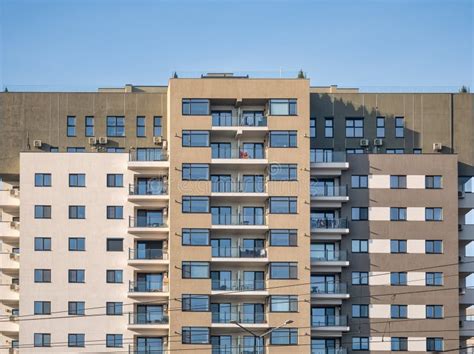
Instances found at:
x=235 y=215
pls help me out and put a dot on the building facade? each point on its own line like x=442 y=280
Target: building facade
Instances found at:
x=235 y=215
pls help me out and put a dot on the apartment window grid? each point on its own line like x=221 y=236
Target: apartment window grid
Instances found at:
x=399 y=311
x=283 y=303
x=195 y=237
x=114 y=245
x=434 y=311
x=399 y=127
x=398 y=246
x=195 y=172
x=89 y=126
x=195 y=270
x=42 y=179
x=71 y=126
x=360 y=213
x=114 y=212
x=157 y=126
x=284 y=336
x=114 y=340
x=434 y=214
x=354 y=127
x=360 y=181
x=283 y=107
x=77 y=212
x=360 y=311
x=360 y=246
x=283 y=237
x=433 y=246
x=434 y=344
x=196 y=303
x=360 y=278
x=76 y=308
x=42 y=211
x=398 y=278
x=42 y=275
x=42 y=340
x=380 y=125
x=77 y=244
x=283 y=270
x=195 y=138
x=283 y=172
x=360 y=343
x=77 y=180
x=42 y=307
x=283 y=139
x=76 y=340
x=434 y=279
x=114 y=180
x=399 y=344
x=433 y=182
x=195 y=107
x=77 y=276
x=116 y=126
x=42 y=243
x=141 y=126
x=312 y=127
x=195 y=335
x=329 y=128
x=398 y=182
x=195 y=204
x=398 y=214
x=114 y=308
x=283 y=205
x=114 y=276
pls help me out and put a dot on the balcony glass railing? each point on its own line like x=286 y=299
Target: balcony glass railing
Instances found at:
x=238 y=349
x=237 y=219
x=239 y=252
x=245 y=121
x=325 y=156
x=328 y=321
x=328 y=223
x=328 y=191
x=328 y=350
x=146 y=349
x=151 y=188
x=242 y=153
x=147 y=286
x=145 y=222
x=238 y=285
x=148 y=154
x=241 y=317
x=147 y=318
x=329 y=288
x=237 y=187
x=137 y=254
x=328 y=255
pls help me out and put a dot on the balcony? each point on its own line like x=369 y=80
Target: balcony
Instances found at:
x=237 y=348
x=10 y=229
x=239 y=255
x=10 y=261
x=466 y=296
x=147 y=225
x=239 y=189
x=9 y=326
x=147 y=289
x=146 y=349
x=154 y=193
x=466 y=200
x=148 y=160
x=329 y=196
x=328 y=163
x=466 y=264
x=10 y=199
x=329 y=226
x=147 y=257
x=238 y=156
x=466 y=327
x=251 y=126
x=238 y=287
x=329 y=293
x=329 y=324
x=333 y=260
x=251 y=320
x=147 y=322
x=10 y=292
x=340 y=350
x=466 y=232
x=238 y=221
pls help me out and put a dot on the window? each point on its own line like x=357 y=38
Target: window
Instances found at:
x=115 y=126
x=141 y=127
x=398 y=278
x=284 y=336
x=360 y=246
x=195 y=335
x=434 y=311
x=395 y=151
x=115 y=244
x=114 y=212
x=156 y=126
x=284 y=303
x=283 y=172
x=360 y=343
x=112 y=149
x=42 y=211
x=283 y=205
x=360 y=278
x=42 y=307
x=71 y=126
x=77 y=244
x=42 y=179
x=380 y=123
x=53 y=149
x=195 y=270
x=360 y=213
x=89 y=126
x=283 y=270
x=76 y=340
x=354 y=127
x=354 y=151
x=77 y=212
x=196 y=303
x=399 y=344
x=360 y=311
x=434 y=344
x=399 y=127
x=195 y=204
x=417 y=151
x=42 y=340
x=312 y=127
x=283 y=139
x=195 y=237
x=42 y=243
x=114 y=308
x=283 y=237
x=75 y=149
x=329 y=128
x=434 y=214
x=280 y=107
x=434 y=279
x=114 y=340
x=398 y=246
x=195 y=138
x=433 y=182
x=76 y=308
x=398 y=311
x=433 y=246
x=195 y=107
x=398 y=182
x=195 y=172
x=77 y=180
x=321 y=155
x=398 y=214
x=114 y=180
x=42 y=275
x=114 y=276
x=77 y=276
x=359 y=181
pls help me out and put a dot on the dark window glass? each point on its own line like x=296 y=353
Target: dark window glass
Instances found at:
x=114 y=341
x=42 y=275
x=42 y=307
x=360 y=343
x=283 y=172
x=380 y=127
x=360 y=213
x=114 y=212
x=283 y=237
x=433 y=182
x=283 y=205
x=114 y=308
x=115 y=244
x=360 y=311
x=360 y=246
x=195 y=138
x=398 y=278
x=194 y=204
x=399 y=127
x=434 y=246
x=114 y=276
x=283 y=139
x=71 y=126
x=284 y=303
x=141 y=127
x=329 y=128
x=283 y=107
x=76 y=340
x=434 y=279
x=77 y=212
x=398 y=182
x=398 y=214
x=354 y=127
x=399 y=311
x=360 y=278
x=195 y=172
x=42 y=243
x=359 y=181
x=115 y=126
x=312 y=128
x=398 y=246
x=76 y=308
x=114 y=180
x=157 y=126
x=434 y=344
x=77 y=276
x=42 y=211
x=42 y=340
x=89 y=125
x=196 y=303
x=284 y=336
x=399 y=344
x=195 y=237
x=196 y=107
x=77 y=244
x=434 y=311
x=283 y=270
x=195 y=270
x=42 y=179
x=195 y=335
x=434 y=214
x=77 y=180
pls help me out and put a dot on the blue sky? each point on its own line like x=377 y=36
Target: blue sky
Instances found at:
x=425 y=44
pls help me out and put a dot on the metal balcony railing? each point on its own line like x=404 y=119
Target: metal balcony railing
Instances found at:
x=328 y=256
x=237 y=219
x=328 y=321
x=238 y=252
x=244 y=121
x=238 y=153
x=238 y=285
x=148 y=155
x=147 y=287
x=328 y=223
x=329 y=288
x=339 y=350
x=145 y=222
x=156 y=187
x=147 y=349
x=149 y=318
x=237 y=187
x=238 y=349
x=147 y=254
x=227 y=317
x=328 y=191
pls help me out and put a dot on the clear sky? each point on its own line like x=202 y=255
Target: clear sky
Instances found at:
x=372 y=44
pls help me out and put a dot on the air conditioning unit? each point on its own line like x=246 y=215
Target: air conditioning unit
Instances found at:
x=37 y=143
x=13 y=318
x=92 y=140
x=14 y=287
x=157 y=140
x=8 y=310
x=103 y=140
x=14 y=224
x=378 y=142
x=364 y=142
x=437 y=146
x=15 y=192
x=165 y=144
x=13 y=256
x=461 y=194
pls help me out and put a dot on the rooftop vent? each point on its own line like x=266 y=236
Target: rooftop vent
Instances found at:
x=223 y=76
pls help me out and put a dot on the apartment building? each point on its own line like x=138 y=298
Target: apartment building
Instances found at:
x=227 y=214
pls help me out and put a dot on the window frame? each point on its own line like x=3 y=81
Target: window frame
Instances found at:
x=76 y=212
x=362 y=246
x=291 y=137
x=113 y=178
x=42 y=240
x=187 y=269
x=399 y=128
x=114 y=130
x=140 y=126
x=358 y=179
x=89 y=129
x=380 y=134
x=187 y=200
x=188 y=232
x=187 y=171
x=351 y=126
x=330 y=127
x=363 y=214
x=77 y=180
x=187 y=138
x=290 y=269
x=71 y=126
x=188 y=102
x=42 y=182
x=292 y=236
x=291 y=109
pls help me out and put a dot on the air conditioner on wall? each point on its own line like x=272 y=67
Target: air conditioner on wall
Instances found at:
x=364 y=142
x=103 y=140
x=92 y=140
x=437 y=146
x=157 y=140
x=378 y=142
x=37 y=143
